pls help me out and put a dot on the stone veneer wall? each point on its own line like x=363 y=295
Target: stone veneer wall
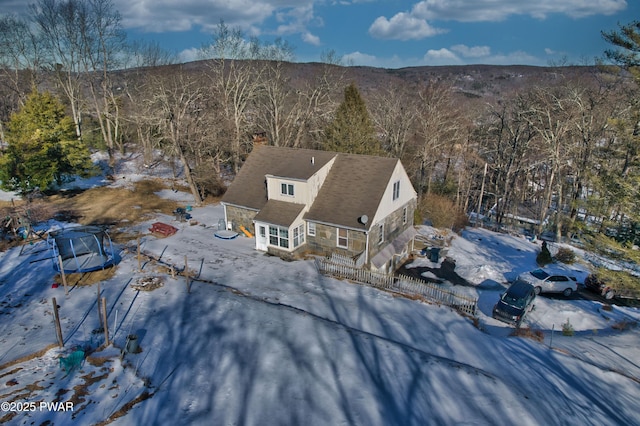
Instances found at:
x=239 y=216
x=393 y=227
x=326 y=239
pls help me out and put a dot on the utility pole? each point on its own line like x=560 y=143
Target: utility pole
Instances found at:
x=484 y=176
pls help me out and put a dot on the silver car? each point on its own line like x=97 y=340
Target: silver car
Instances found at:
x=550 y=281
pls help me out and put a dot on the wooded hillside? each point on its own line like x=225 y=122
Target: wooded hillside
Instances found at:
x=555 y=145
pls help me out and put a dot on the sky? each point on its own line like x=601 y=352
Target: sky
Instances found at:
x=388 y=33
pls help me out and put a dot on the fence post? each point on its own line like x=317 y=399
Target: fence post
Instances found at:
x=56 y=320
x=64 y=278
x=105 y=324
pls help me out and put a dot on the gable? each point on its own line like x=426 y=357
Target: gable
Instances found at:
x=399 y=192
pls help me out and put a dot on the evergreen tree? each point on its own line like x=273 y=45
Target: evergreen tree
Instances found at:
x=627 y=47
x=544 y=257
x=621 y=184
x=42 y=146
x=352 y=130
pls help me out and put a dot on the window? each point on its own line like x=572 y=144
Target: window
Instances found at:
x=273 y=236
x=298 y=236
x=381 y=236
x=343 y=238
x=263 y=232
x=286 y=189
x=311 y=229
x=396 y=190
x=404 y=215
x=279 y=236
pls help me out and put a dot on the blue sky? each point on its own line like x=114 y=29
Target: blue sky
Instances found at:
x=388 y=33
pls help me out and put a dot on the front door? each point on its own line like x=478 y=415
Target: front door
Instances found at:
x=261 y=237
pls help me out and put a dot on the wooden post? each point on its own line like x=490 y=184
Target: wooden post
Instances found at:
x=186 y=274
x=64 y=278
x=105 y=325
x=56 y=321
x=99 y=310
x=139 y=256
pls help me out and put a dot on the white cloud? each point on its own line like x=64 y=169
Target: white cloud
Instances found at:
x=402 y=26
x=189 y=55
x=472 y=52
x=441 y=57
x=293 y=16
x=358 y=58
x=497 y=10
x=463 y=55
x=309 y=38
x=516 y=57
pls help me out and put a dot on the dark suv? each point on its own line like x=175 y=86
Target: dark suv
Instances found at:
x=515 y=303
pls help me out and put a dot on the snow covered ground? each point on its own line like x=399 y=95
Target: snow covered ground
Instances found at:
x=258 y=340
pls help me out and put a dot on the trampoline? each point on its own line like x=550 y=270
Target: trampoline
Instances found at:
x=82 y=248
x=224 y=231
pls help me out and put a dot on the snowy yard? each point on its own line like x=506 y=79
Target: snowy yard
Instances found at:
x=258 y=340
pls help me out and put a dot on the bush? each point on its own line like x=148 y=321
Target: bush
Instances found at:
x=529 y=333
x=442 y=212
x=544 y=257
x=565 y=255
x=567 y=328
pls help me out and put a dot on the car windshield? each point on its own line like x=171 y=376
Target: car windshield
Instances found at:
x=539 y=274
x=516 y=302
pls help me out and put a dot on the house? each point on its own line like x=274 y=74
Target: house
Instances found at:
x=299 y=201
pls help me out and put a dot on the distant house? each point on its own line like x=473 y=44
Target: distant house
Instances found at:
x=299 y=201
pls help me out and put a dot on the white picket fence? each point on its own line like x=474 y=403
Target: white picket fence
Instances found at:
x=402 y=284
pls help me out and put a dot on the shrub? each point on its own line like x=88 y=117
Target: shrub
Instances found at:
x=529 y=333
x=442 y=211
x=565 y=255
x=567 y=328
x=544 y=257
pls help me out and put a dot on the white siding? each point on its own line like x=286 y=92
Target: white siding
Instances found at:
x=305 y=192
x=388 y=204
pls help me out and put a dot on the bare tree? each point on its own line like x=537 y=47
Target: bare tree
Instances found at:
x=235 y=79
x=180 y=112
x=506 y=138
x=20 y=55
x=290 y=113
x=103 y=43
x=58 y=23
x=439 y=129
x=552 y=116
x=148 y=54
x=395 y=113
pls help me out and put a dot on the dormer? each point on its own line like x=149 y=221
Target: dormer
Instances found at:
x=297 y=190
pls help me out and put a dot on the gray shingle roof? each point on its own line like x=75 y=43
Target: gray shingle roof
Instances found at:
x=354 y=186
x=279 y=212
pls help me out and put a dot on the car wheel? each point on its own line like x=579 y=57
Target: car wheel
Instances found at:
x=567 y=292
x=537 y=290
